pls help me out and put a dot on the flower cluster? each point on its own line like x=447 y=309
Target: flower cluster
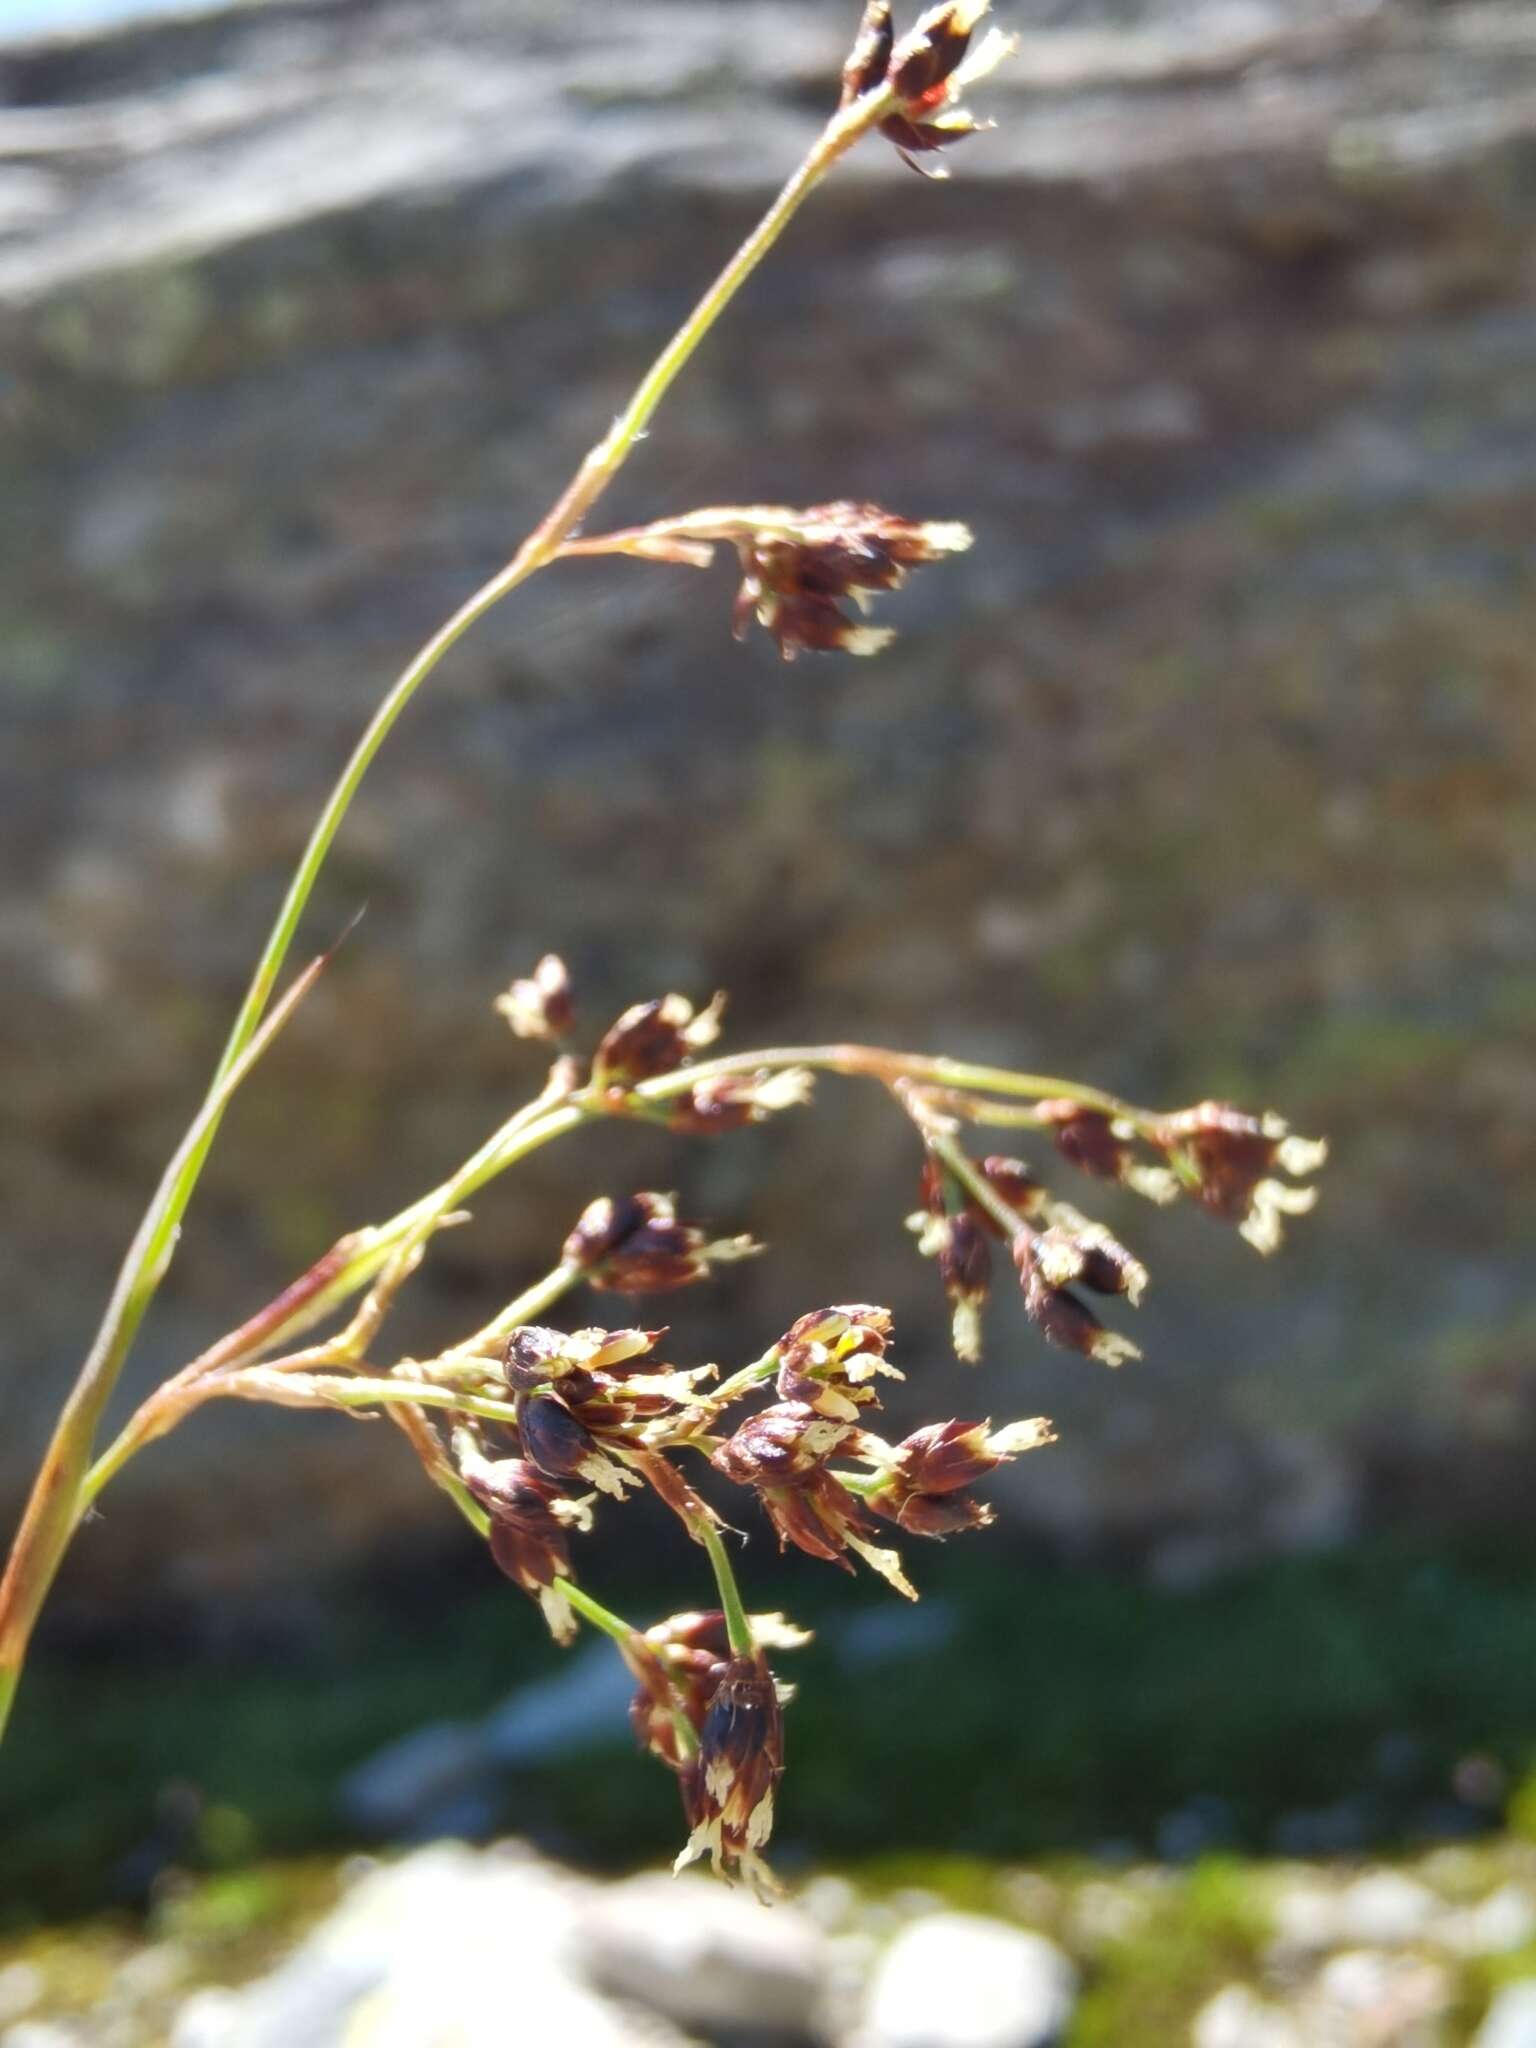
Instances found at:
x=924 y=74
x=550 y=1424
x=1227 y=1160
x=798 y=568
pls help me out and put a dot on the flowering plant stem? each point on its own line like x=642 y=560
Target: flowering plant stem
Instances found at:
x=59 y=1498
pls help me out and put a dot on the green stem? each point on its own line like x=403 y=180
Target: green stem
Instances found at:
x=975 y=1183
x=533 y=1301
x=738 y=1628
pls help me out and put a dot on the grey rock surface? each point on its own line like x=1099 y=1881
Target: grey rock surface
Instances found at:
x=957 y=1980
x=711 y=1959
x=1210 y=768
x=446 y=1949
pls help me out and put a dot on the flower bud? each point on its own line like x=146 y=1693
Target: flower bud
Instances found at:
x=540 y=1006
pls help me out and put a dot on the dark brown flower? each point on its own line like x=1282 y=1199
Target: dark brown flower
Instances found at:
x=782 y=1453
x=781 y=1445
x=638 y=1245
x=1228 y=1160
x=954 y=1229
x=939 y=1514
x=1104 y=1147
x=830 y=1359
x=929 y=69
x=922 y=1478
x=1087 y=1138
x=679 y=1664
x=799 y=567
x=539 y=1006
x=1012 y=1181
x=740 y=1762
x=529 y=1520
x=537 y=1357
x=561 y=1447
x=1044 y=1269
x=729 y=1102
x=653 y=1038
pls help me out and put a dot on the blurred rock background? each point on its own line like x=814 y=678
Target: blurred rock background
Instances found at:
x=1209 y=770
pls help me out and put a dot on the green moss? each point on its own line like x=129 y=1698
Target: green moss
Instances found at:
x=1065 y=1709
x=1197 y=1936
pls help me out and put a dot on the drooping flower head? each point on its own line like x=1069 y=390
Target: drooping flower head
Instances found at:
x=799 y=568
x=740 y=1762
x=926 y=72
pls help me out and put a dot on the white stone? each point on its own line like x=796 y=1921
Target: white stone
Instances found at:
x=703 y=1955
x=448 y=1949
x=1511 y=2021
x=1386 y=1910
x=21 y=1987
x=1239 y=2018
x=956 y=1980
x=1383 y=1909
x=1365 y=1999
x=1505 y=1920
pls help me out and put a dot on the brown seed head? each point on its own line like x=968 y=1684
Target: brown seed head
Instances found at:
x=537 y=1357
x=947 y=1514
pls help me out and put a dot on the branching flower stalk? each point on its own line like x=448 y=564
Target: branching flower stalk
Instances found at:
x=532 y=1430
